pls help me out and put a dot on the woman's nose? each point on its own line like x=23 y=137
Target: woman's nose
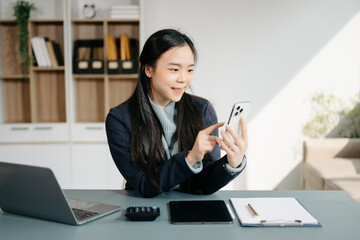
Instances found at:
x=183 y=77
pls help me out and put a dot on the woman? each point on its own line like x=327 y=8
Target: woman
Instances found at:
x=163 y=138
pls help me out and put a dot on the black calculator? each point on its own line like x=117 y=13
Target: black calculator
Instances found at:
x=142 y=213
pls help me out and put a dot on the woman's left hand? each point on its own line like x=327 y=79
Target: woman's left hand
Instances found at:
x=235 y=150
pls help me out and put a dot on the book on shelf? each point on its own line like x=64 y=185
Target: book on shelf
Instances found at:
x=45 y=52
x=37 y=52
x=111 y=48
x=115 y=15
x=124 y=48
x=51 y=50
x=41 y=52
x=125 y=7
x=125 y=12
x=55 y=53
x=58 y=53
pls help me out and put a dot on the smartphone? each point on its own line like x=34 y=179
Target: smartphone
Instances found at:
x=240 y=109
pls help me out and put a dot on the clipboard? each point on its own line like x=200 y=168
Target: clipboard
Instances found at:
x=272 y=212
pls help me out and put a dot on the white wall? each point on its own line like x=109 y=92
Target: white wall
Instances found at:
x=44 y=9
x=275 y=54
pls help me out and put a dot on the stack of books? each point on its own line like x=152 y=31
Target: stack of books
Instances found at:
x=47 y=53
x=120 y=56
x=125 y=12
x=112 y=49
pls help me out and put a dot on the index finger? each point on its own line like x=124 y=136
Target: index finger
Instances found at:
x=210 y=129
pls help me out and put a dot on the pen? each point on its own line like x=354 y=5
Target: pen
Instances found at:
x=255 y=214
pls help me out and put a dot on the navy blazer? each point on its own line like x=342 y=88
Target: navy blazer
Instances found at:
x=175 y=170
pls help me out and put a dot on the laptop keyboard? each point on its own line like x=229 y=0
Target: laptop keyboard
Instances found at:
x=82 y=214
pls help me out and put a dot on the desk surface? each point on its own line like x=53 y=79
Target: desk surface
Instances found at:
x=336 y=211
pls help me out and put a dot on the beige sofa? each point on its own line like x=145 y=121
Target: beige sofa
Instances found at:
x=332 y=164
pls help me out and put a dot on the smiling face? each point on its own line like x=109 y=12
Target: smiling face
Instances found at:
x=171 y=75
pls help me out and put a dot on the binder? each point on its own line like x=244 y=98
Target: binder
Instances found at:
x=272 y=212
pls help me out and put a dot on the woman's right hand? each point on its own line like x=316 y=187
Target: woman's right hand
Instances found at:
x=204 y=143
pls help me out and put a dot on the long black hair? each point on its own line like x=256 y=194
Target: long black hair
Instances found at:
x=146 y=149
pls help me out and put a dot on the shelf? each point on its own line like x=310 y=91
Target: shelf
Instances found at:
x=114 y=20
x=85 y=30
x=41 y=96
x=94 y=20
x=47 y=84
x=4 y=21
x=47 y=21
x=97 y=93
x=14 y=76
x=111 y=76
x=60 y=68
x=123 y=76
x=87 y=76
x=99 y=20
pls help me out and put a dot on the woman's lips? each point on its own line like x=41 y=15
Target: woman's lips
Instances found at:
x=177 y=89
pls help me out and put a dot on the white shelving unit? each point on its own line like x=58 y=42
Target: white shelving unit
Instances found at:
x=73 y=143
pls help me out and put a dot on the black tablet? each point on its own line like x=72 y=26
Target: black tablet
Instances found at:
x=199 y=212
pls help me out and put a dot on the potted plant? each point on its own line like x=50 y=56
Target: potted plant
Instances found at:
x=333 y=117
x=22 y=13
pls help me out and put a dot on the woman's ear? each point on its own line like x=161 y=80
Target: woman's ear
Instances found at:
x=148 y=71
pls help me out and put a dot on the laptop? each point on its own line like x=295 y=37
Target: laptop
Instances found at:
x=34 y=192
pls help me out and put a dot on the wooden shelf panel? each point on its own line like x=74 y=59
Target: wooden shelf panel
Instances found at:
x=60 y=68
x=120 y=90
x=90 y=103
x=17 y=98
x=89 y=76
x=94 y=20
x=13 y=76
x=110 y=76
x=122 y=20
x=9 y=54
x=57 y=20
x=47 y=21
x=49 y=97
x=129 y=28
x=99 y=20
x=123 y=76
x=3 y=21
x=88 y=30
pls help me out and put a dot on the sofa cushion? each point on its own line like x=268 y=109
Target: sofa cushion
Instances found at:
x=315 y=172
x=350 y=184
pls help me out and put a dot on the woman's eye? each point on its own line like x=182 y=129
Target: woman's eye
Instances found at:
x=174 y=69
x=190 y=70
